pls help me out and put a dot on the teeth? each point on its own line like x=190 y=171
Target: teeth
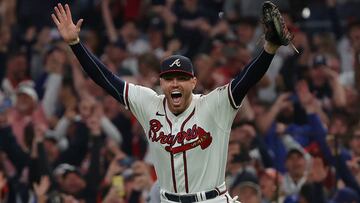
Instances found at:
x=176 y=95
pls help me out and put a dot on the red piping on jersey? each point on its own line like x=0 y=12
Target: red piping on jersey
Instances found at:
x=184 y=153
x=126 y=96
x=231 y=100
x=171 y=154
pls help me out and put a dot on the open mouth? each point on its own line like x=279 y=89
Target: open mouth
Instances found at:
x=176 y=96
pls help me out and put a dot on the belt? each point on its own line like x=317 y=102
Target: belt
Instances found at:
x=189 y=198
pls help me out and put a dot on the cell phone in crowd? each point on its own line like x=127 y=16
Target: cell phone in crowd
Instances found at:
x=5 y=103
x=127 y=162
x=118 y=182
x=293 y=98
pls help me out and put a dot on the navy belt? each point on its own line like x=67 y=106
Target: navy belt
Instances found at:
x=189 y=198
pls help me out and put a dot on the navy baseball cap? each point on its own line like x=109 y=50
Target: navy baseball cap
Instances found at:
x=156 y=23
x=319 y=60
x=177 y=64
x=295 y=151
x=345 y=195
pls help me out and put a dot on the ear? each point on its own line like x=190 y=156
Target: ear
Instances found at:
x=194 y=82
x=161 y=82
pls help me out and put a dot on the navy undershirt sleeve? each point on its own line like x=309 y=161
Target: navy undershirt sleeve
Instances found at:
x=98 y=72
x=250 y=75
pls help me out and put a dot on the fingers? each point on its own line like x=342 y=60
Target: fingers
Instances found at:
x=62 y=10
x=56 y=21
x=79 y=23
x=36 y=188
x=58 y=14
x=284 y=96
x=61 y=15
x=68 y=12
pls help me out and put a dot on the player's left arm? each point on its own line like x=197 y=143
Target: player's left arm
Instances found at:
x=248 y=77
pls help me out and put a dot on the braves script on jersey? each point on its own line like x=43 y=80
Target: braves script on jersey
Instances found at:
x=192 y=147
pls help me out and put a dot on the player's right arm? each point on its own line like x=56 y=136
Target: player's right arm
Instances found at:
x=96 y=70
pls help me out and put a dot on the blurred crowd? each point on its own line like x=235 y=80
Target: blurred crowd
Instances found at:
x=296 y=137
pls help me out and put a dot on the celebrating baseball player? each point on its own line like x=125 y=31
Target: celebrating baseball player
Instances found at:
x=188 y=134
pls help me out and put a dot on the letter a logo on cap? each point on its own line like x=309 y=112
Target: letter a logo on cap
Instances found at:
x=176 y=62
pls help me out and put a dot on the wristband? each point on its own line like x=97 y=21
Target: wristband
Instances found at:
x=75 y=41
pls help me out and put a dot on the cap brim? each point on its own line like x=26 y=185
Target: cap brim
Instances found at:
x=176 y=71
x=294 y=151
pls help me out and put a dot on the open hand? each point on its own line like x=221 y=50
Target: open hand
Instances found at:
x=42 y=188
x=114 y=168
x=63 y=20
x=282 y=102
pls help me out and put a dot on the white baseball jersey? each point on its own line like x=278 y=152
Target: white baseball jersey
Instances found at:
x=189 y=150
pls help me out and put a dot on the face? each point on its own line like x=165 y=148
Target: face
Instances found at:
x=268 y=186
x=87 y=107
x=243 y=57
x=52 y=150
x=354 y=35
x=5 y=35
x=245 y=33
x=129 y=31
x=155 y=38
x=338 y=127
x=190 y=3
x=17 y=67
x=178 y=91
x=204 y=66
x=244 y=134
x=116 y=54
x=318 y=76
x=44 y=36
x=295 y=164
x=334 y=64
x=24 y=103
x=57 y=57
x=72 y=183
x=111 y=107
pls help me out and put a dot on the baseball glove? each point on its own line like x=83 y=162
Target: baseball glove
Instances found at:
x=276 y=31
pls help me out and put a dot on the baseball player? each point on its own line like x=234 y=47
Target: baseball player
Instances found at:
x=187 y=133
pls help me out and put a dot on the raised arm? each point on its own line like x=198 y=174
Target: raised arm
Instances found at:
x=252 y=73
x=108 y=21
x=96 y=70
x=276 y=35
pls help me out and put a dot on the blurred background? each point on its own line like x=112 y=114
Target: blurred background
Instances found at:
x=296 y=137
